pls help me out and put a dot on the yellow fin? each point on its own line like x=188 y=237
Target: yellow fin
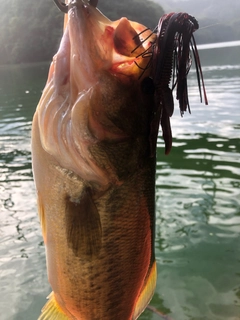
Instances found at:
x=147 y=292
x=41 y=216
x=52 y=311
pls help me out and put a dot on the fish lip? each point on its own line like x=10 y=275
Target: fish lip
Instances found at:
x=89 y=26
x=127 y=68
x=75 y=4
x=124 y=64
x=86 y=26
x=89 y=8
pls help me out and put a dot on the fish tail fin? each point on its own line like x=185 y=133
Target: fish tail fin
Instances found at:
x=147 y=291
x=52 y=310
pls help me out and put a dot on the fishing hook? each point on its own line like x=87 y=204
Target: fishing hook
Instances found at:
x=64 y=7
x=93 y=3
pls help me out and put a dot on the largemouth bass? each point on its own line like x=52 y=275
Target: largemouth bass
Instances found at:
x=94 y=175
x=94 y=140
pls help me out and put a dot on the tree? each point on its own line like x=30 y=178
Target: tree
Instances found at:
x=145 y=12
x=31 y=30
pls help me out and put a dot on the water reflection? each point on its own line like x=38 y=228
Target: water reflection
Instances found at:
x=198 y=226
x=197 y=198
x=21 y=248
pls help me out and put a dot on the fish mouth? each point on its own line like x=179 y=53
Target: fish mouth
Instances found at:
x=98 y=61
x=126 y=67
x=100 y=43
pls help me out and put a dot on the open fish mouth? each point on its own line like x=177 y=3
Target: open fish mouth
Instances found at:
x=119 y=45
x=93 y=48
x=164 y=55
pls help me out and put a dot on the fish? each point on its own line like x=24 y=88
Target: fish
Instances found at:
x=93 y=172
x=94 y=163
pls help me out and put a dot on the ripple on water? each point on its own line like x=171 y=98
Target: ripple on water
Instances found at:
x=197 y=200
x=198 y=228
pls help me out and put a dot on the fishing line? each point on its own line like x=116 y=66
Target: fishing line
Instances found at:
x=209 y=26
x=154 y=30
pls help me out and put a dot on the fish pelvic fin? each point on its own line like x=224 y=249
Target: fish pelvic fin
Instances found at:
x=52 y=310
x=146 y=292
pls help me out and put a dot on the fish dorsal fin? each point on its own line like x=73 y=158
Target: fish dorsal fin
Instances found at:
x=84 y=230
x=52 y=311
x=147 y=291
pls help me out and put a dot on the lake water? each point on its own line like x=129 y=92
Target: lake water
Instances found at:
x=197 y=197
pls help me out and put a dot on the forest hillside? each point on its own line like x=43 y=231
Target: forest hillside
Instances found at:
x=31 y=29
x=219 y=19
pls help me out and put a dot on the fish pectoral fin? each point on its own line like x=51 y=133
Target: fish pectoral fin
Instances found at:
x=147 y=291
x=52 y=311
x=84 y=229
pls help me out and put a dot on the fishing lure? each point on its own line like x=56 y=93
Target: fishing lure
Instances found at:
x=61 y=5
x=170 y=61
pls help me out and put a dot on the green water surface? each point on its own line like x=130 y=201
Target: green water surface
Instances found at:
x=197 y=198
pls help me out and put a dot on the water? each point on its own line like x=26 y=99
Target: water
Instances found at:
x=197 y=197
x=219 y=45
